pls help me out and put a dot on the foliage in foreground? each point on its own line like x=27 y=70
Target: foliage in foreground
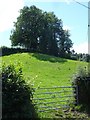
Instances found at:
x=71 y=114
x=82 y=82
x=16 y=94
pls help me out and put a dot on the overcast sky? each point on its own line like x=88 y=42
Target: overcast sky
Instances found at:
x=73 y=15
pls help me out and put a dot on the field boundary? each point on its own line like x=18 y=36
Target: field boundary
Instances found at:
x=54 y=98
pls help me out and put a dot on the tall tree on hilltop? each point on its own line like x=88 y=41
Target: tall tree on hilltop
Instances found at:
x=40 y=31
x=27 y=28
x=65 y=43
x=48 y=41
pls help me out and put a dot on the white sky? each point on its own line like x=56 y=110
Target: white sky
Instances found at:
x=9 y=12
x=81 y=48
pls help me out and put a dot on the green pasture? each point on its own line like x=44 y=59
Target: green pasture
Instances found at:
x=45 y=71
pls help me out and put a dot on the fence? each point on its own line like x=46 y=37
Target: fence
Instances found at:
x=54 y=98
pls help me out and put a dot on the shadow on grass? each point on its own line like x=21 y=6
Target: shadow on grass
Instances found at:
x=44 y=57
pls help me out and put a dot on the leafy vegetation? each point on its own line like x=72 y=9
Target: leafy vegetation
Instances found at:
x=42 y=32
x=16 y=94
x=80 y=56
x=39 y=31
x=82 y=81
x=8 y=51
x=70 y=114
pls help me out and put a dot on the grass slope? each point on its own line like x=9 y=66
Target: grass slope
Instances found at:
x=45 y=70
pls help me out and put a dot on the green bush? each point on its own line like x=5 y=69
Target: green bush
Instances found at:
x=82 y=89
x=16 y=94
x=7 y=51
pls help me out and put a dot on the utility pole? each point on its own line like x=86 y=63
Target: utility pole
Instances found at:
x=88 y=27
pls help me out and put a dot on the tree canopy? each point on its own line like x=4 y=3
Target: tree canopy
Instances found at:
x=41 y=31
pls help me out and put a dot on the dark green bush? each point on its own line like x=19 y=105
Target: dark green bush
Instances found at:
x=82 y=90
x=7 y=51
x=16 y=94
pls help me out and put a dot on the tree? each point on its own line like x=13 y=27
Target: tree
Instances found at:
x=65 y=43
x=41 y=31
x=48 y=41
x=27 y=28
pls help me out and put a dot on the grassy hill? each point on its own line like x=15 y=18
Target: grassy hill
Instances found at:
x=45 y=70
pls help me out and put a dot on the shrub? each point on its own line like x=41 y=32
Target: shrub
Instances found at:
x=7 y=51
x=16 y=94
x=82 y=82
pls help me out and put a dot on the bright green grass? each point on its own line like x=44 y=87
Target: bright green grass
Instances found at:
x=45 y=71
